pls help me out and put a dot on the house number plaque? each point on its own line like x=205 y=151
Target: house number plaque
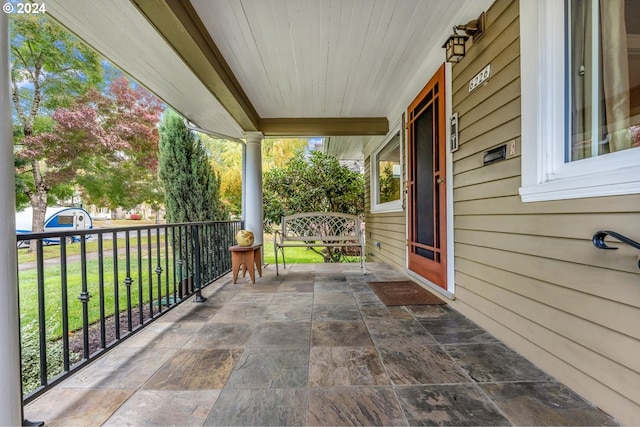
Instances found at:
x=480 y=78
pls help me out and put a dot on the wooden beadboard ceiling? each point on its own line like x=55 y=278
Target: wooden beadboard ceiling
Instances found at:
x=324 y=58
x=292 y=67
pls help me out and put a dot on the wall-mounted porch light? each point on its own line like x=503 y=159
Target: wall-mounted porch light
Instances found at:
x=455 y=46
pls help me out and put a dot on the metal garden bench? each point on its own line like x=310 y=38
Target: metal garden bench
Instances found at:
x=329 y=230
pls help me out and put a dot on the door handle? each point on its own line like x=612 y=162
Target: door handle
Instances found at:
x=440 y=181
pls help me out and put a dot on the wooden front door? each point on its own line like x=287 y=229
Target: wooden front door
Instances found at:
x=427 y=240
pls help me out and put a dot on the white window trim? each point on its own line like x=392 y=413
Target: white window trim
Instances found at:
x=545 y=175
x=396 y=205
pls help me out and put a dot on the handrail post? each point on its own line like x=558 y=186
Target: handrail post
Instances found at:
x=198 y=269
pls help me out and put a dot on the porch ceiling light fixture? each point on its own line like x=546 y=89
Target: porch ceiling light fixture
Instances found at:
x=455 y=46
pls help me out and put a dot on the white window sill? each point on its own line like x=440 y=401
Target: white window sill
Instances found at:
x=388 y=207
x=597 y=184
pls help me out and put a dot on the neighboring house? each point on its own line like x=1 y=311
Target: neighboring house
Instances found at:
x=500 y=217
x=144 y=210
x=100 y=213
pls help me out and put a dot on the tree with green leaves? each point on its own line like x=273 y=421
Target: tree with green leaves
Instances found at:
x=389 y=184
x=276 y=152
x=106 y=137
x=49 y=69
x=127 y=175
x=226 y=156
x=191 y=186
x=70 y=128
x=125 y=185
x=318 y=183
x=314 y=184
x=226 y=159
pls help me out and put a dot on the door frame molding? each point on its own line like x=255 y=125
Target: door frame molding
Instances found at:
x=450 y=252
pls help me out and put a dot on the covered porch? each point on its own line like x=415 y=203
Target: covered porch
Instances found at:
x=315 y=346
x=312 y=346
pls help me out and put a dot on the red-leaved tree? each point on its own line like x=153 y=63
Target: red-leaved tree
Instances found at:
x=99 y=132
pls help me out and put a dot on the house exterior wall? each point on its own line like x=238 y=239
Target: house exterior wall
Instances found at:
x=386 y=228
x=528 y=272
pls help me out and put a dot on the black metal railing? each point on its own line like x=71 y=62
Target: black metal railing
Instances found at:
x=78 y=300
x=598 y=241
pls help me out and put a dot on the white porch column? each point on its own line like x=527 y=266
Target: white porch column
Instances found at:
x=10 y=389
x=253 y=185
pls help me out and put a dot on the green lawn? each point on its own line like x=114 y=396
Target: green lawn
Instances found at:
x=54 y=295
x=53 y=251
x=293 y=255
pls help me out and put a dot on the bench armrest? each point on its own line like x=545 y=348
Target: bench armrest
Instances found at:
x=277 y=237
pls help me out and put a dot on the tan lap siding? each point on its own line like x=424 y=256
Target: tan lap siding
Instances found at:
x=528 y=272
x=389 y=229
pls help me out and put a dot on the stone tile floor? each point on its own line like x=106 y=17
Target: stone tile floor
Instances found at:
x=313 y=346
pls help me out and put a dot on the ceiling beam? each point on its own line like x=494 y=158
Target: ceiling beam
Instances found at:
x=178 y=23
x=324 y=126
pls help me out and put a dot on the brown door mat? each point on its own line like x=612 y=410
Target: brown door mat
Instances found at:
x=404 y=293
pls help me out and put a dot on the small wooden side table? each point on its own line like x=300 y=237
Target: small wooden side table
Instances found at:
x=246 y=257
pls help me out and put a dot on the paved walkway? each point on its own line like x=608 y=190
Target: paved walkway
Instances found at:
x=313 y=346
